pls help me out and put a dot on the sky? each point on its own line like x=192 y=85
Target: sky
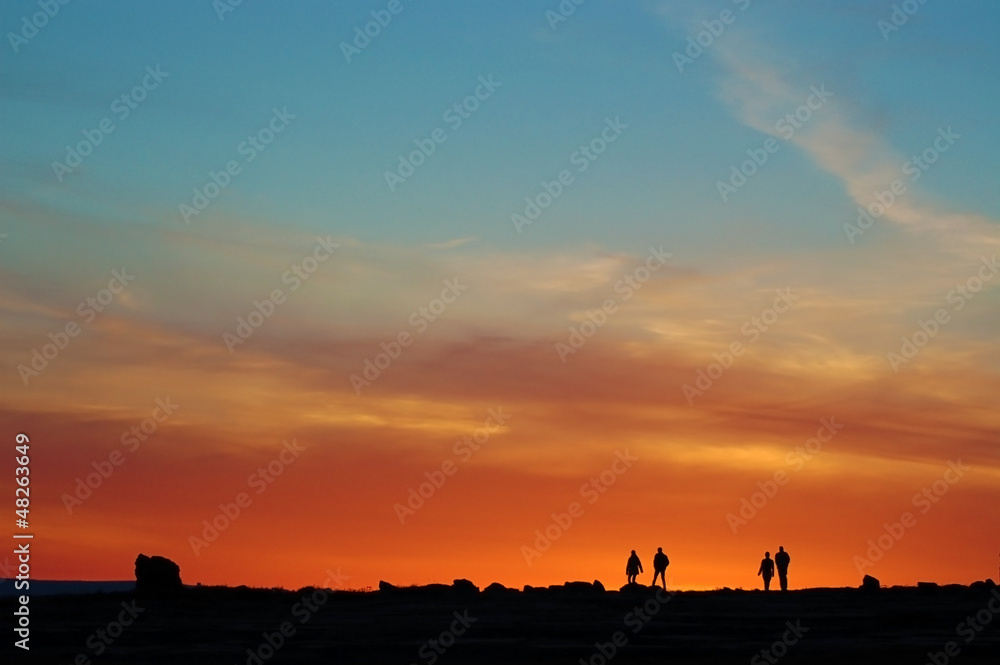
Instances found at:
x=502 y=291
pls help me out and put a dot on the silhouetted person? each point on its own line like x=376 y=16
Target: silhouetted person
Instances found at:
x=781 y=561
x=766 y=570
x=660 y=563
x=633 y=567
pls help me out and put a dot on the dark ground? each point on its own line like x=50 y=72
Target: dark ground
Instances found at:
x=219 y=625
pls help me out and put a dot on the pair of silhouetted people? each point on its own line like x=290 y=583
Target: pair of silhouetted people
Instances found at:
x=660 y=562
x=767 y=566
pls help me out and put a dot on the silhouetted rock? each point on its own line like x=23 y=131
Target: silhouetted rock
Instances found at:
x=598 y=585
x=635 y=588
x=984 y=585
x=534 y=591
x=927 y=586
x=497 y=589
x=429 y=591
x=869 y=583
x=157 y=575
x=580 y=588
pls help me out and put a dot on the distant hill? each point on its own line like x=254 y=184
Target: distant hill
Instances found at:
x=65 y=588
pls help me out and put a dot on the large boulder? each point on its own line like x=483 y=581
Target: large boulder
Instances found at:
x=157 y=575
x=464 y=587
x=869 y=583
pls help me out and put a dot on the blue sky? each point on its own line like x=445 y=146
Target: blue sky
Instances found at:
x=607 y=60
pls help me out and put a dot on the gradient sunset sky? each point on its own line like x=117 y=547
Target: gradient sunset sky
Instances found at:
x=630 y=143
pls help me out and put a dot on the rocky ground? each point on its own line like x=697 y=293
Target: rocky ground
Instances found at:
x=460 y=624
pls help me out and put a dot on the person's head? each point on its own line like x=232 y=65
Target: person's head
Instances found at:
x=781 y=549
x=633 y=552
x=660 y=550
x=767 y=555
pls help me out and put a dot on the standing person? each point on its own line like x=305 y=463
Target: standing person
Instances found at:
x=766 y=570
x=660 y=563
x=633 y=567
x=781 y=561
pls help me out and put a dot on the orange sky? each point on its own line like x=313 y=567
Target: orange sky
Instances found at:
x=333 y=505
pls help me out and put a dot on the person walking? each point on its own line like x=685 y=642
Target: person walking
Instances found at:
x=766 y=570
x=660 y=563
x=633 y=567
x=781 y=561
